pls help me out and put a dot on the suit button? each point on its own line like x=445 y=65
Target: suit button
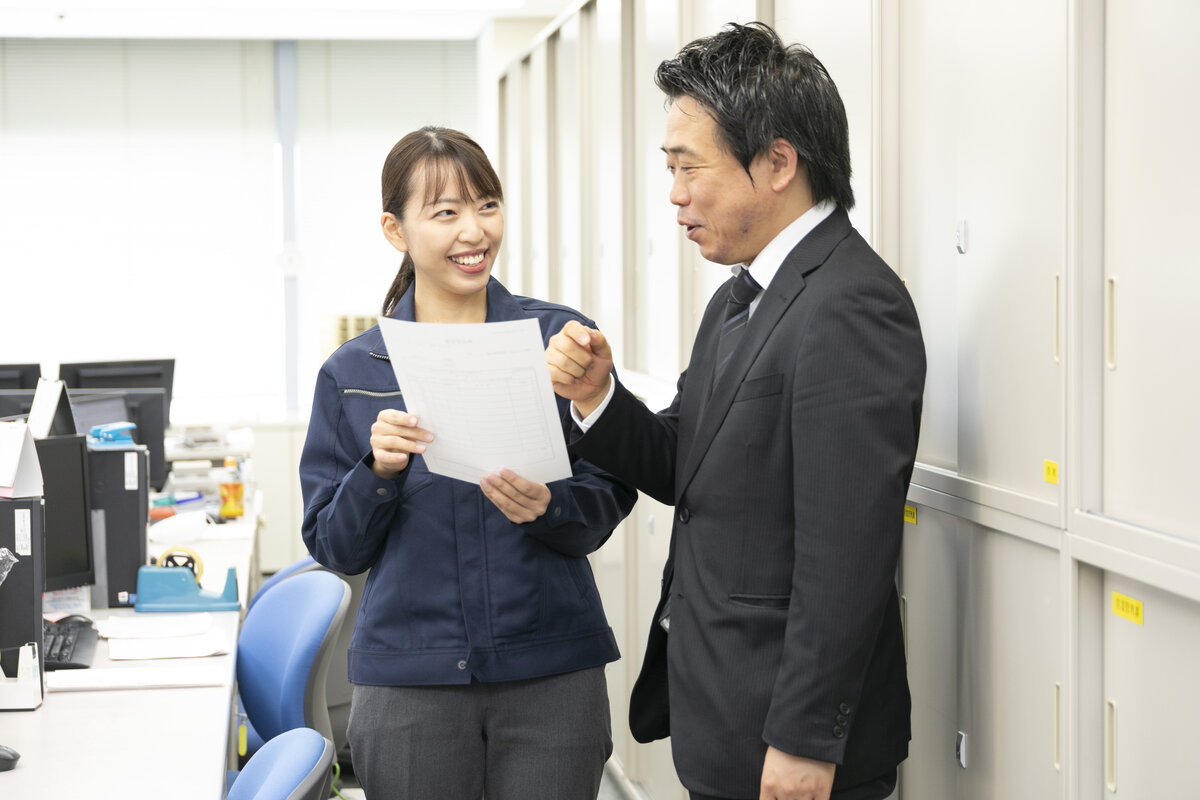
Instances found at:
x=381 y=492
x=845 y=709
x=462 y=665
x=684 y=515
x=839 y=732
x=842 y=719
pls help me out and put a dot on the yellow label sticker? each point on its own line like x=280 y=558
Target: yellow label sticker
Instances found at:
x=241 y=744
x=1050 y=471
x=1127 y=608
x=910 y=514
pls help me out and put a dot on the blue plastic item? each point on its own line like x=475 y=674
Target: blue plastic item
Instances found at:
x=175 y=589
x=112 y=434
x=295 y=765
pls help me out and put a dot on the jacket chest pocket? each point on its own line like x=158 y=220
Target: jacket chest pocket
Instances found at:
x=360 y=409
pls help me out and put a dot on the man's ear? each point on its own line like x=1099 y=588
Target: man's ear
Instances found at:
x=784 y=164
x=392 y=231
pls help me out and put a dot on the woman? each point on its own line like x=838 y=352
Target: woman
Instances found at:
x=479 y=650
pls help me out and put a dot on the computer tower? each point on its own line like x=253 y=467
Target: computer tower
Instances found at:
x=120 y=510
x=21 y=522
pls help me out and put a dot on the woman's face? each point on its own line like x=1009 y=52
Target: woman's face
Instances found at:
x=453 y=240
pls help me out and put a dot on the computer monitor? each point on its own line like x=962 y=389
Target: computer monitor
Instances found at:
x=149 y=374
x=70 y=559
x=15 y=403
x=145 y=408
x=19 y=376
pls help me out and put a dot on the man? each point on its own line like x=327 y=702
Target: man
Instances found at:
x=787 y=451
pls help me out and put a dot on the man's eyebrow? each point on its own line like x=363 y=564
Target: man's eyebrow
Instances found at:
x=678 y=150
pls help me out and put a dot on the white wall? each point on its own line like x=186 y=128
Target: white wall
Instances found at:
x=141 y=202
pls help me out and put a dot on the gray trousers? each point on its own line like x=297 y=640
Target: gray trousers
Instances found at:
x=521 y=740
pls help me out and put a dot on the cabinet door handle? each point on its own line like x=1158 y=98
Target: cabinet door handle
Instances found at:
x=1110 y=744
x=1057 y=314
x=1057 y=725
x=1110 y=323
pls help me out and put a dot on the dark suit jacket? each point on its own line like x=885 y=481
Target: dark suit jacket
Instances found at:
x=788 y=485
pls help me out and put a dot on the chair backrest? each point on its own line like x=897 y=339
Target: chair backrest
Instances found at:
x=303 y=565
x=295 y=765
x=338 y=690
x=284 y=650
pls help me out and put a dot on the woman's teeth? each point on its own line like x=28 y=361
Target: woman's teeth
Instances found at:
x=468 y=261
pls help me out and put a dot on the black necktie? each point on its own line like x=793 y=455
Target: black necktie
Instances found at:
x=742 y=291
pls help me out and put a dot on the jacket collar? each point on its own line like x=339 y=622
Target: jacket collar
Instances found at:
x=502 y=306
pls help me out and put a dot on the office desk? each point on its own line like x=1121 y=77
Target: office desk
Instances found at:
x=127 y=743
x=139 y=743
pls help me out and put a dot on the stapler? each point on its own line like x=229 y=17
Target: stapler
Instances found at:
x=113 y=434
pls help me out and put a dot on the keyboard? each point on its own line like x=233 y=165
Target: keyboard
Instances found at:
x=68 y=644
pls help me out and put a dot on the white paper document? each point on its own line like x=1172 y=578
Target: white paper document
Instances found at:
x=210 y=643
x=484 y=392
x=155 y=626
x=149 y=677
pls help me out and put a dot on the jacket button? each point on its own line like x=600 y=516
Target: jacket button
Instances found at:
x=684 y=515
x=839 y=732
x=842 y=719
x=845 y=709
x=462 y=665
x=557 y=511
x=381 y=492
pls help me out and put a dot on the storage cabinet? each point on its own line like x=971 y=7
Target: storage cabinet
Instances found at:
x=1150 y=280
x=982 y=173
x=1151 y=657
x=983 y=634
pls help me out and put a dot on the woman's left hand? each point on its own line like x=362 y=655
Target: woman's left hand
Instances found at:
x=518 y=499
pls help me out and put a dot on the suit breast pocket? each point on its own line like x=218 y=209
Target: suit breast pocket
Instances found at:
x=762 y=386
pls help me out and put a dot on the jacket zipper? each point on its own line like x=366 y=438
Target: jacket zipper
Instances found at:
x=369 y=393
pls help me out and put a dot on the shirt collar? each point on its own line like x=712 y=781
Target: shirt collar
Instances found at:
x=770 y=259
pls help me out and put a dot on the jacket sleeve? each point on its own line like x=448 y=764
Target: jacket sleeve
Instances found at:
x=348 y=509
x=855 y=418
x=632 y=442
x=584 y=509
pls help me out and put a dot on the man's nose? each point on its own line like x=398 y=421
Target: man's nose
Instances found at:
x=679 y=194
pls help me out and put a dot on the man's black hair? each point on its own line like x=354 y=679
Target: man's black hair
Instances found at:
x=757 y=90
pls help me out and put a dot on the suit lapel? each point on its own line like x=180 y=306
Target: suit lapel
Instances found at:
x=810 y=253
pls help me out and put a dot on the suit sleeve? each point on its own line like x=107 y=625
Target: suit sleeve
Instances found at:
x=632 y=442
x=855 y=416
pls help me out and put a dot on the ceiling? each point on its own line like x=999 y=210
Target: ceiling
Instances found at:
x=264 y=19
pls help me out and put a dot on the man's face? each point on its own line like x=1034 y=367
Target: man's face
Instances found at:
x=723 y=211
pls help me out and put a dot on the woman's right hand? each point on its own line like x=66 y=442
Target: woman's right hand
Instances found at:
x=394 y=435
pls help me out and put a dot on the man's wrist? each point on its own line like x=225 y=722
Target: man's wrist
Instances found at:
x=586 y=415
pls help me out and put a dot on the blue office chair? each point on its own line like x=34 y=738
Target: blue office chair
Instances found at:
x=338 y=690
x=295 y=765
x=303 y=565
x=284 y=650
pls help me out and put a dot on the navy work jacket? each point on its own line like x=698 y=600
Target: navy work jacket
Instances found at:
x=456 y=590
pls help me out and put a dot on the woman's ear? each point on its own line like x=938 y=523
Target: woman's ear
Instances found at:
x=392 y=231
